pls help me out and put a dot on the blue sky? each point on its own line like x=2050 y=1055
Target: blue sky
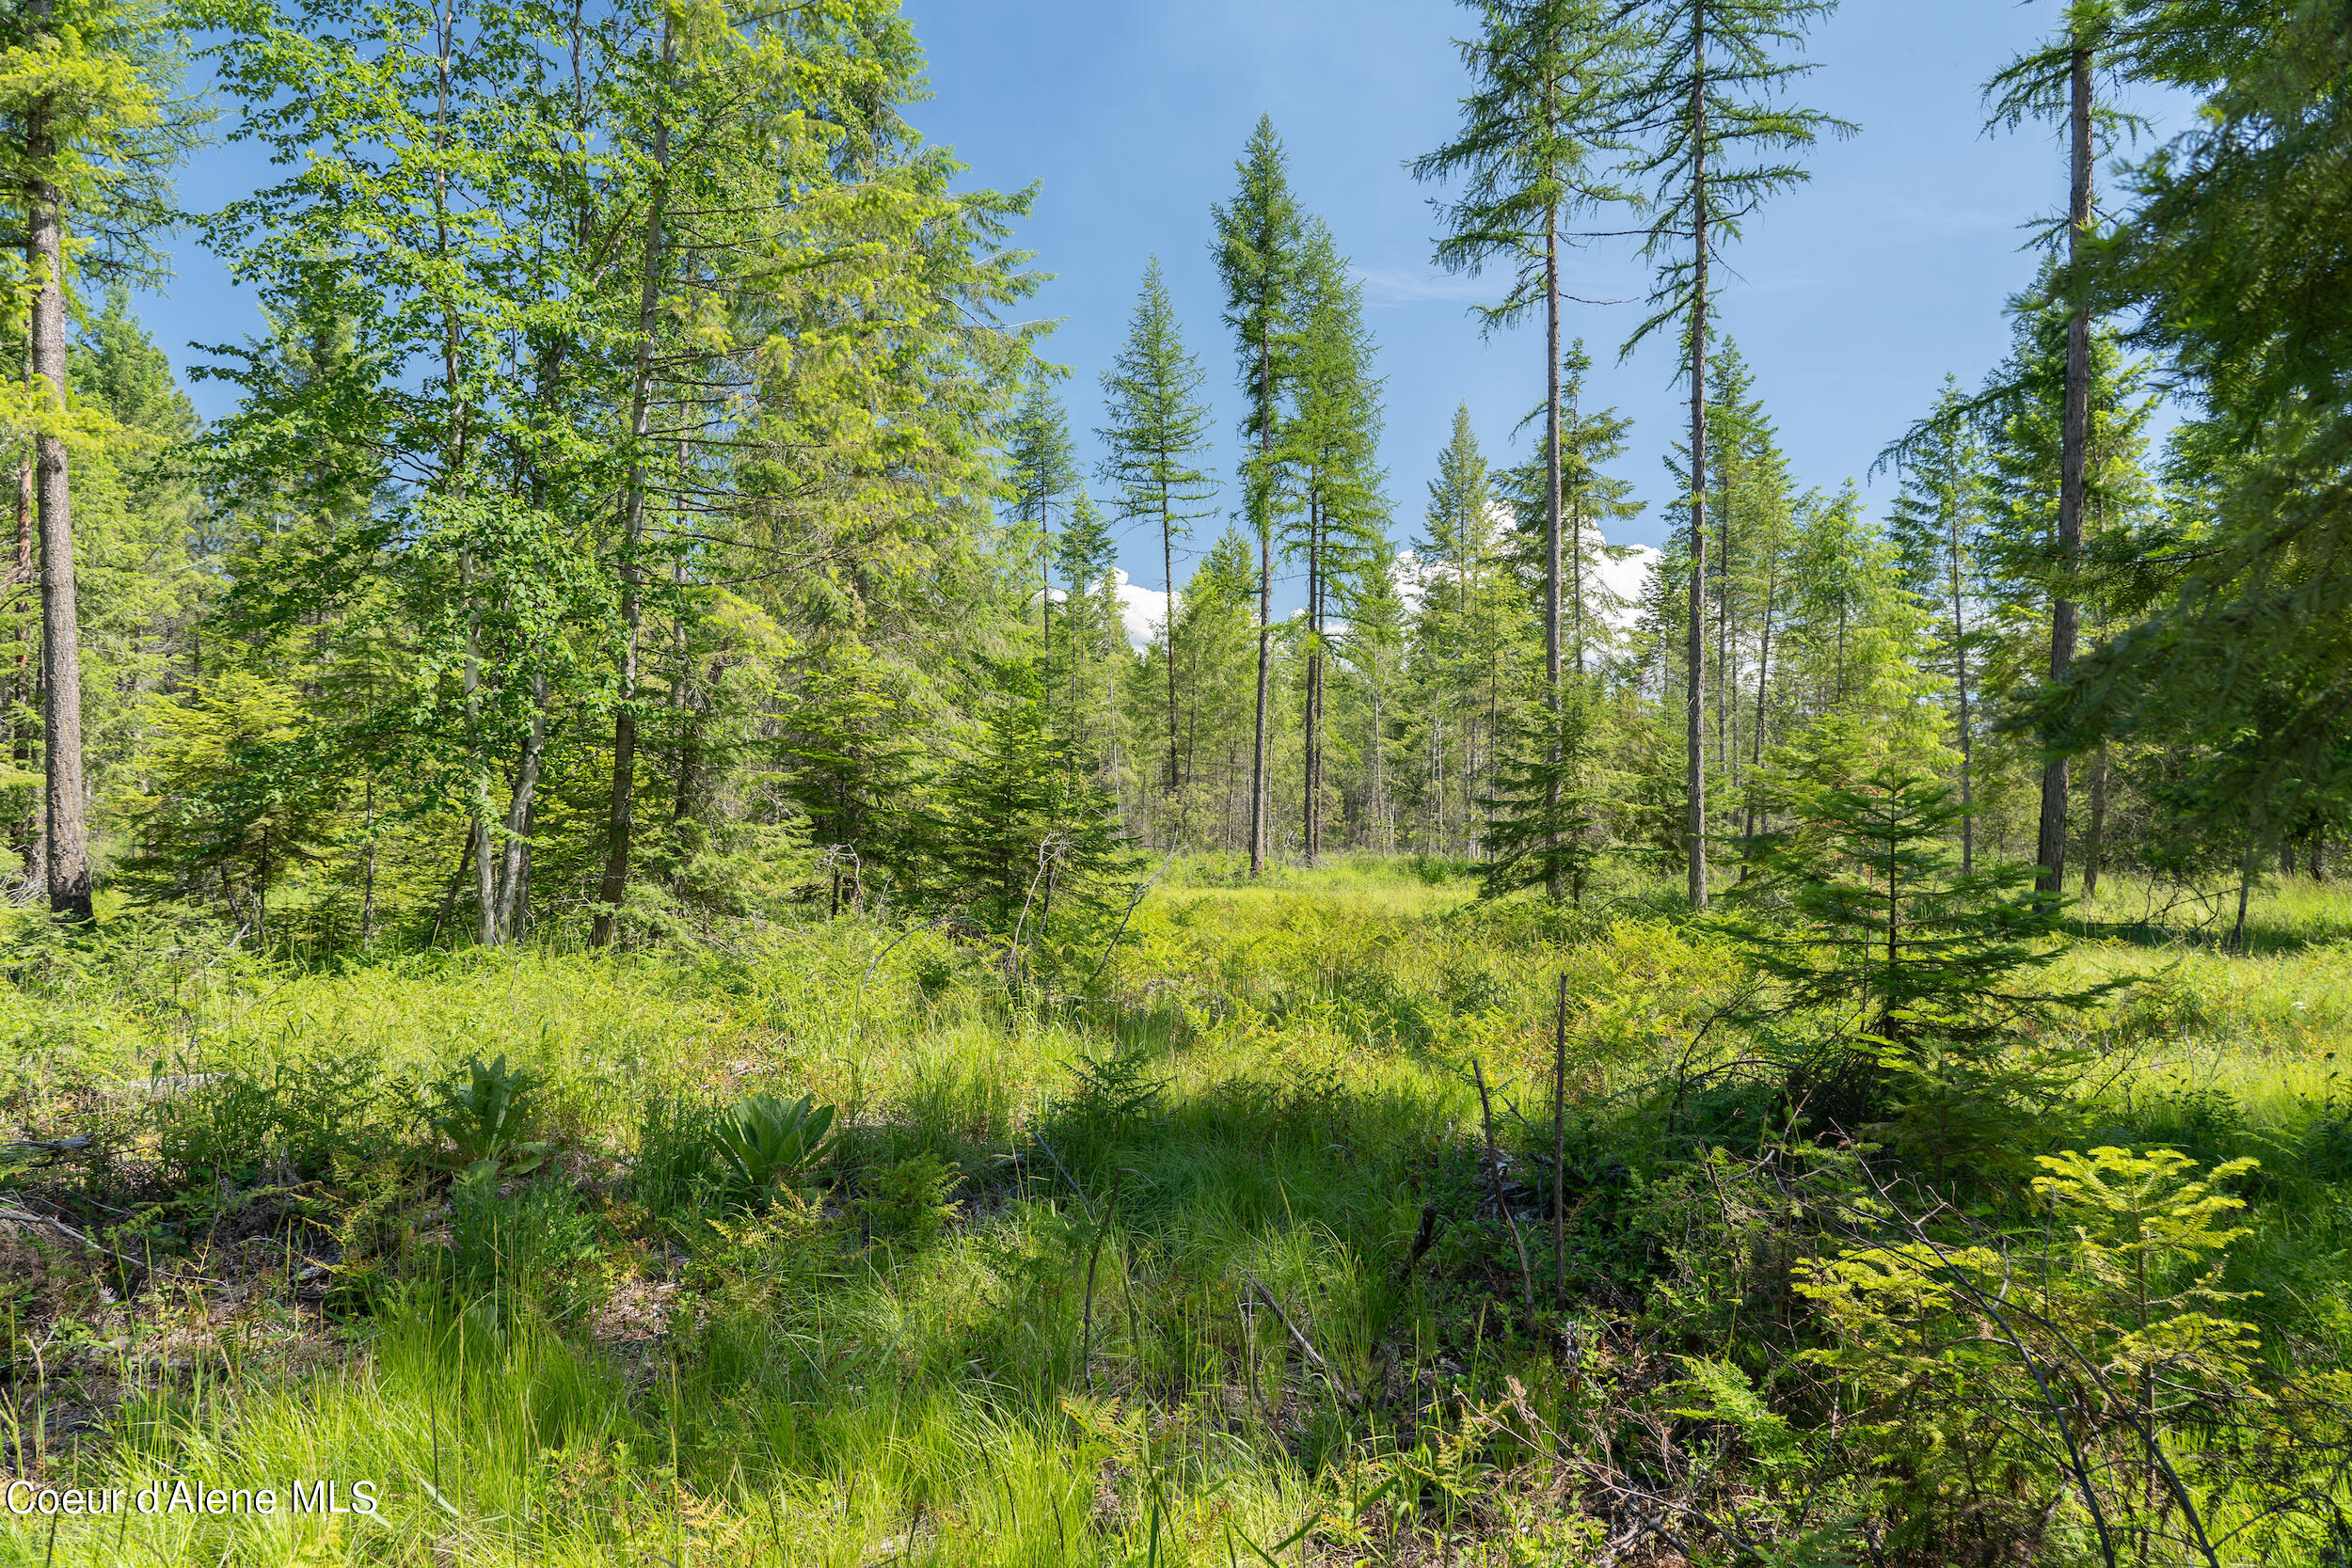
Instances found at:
x=1851 y=296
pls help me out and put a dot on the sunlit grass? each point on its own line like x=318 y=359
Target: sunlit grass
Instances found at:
x=1078 y=1370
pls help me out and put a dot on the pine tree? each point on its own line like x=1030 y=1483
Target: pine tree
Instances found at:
x=1707 y=94
x=1154 y=440
x=1257 y=250
x=1537 y=125
x=2050 y=83
x=1331 y=444
x=1916 y=968
x=1042 y=464
x=91 y=135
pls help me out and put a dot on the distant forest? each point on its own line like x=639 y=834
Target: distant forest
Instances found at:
x=642 y=506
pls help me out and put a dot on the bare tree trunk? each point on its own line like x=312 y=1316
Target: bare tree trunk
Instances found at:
x=26 y=686
x=67 y=835
x=1311 y=828
x=1967 y=737
x=1763 y=683
x=1552 y=535
x=518 y=812
x=367 y=875
x=457 y=880
x=1694 y=698
x=620 y=810
x=2245 y=889
x=1168 y=572
x=1265 y=598
x=2094 y=841
x=2073 y=464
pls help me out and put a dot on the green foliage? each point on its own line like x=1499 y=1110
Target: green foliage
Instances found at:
x=909 y=1199
x=2088 y=1365
x=768 y=1147
x=1860 y=916
x=488 y=1113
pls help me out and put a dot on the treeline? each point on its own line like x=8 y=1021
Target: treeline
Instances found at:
x=642 y=507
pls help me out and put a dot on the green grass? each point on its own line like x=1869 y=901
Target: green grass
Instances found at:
x=601 y=1366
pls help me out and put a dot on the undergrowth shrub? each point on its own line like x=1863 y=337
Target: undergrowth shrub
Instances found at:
x=292 y=1119
x=531 y=1249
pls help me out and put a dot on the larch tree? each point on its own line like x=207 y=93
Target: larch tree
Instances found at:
x=1336 y=512
x=91 y=136
x=2056 y=83
x=1536 y=130
x=1259 y=235
x=1719 y=140
x=1155 y=440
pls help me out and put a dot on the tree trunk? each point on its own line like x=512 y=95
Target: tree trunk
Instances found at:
x=620 y=810
x=518 y=812
x=2050 y=845
x=2094 y=841
x=1167 y=573
x=66 y=831
x=1763 y=681
x=1695 y=699
x=1552 y=537
x=1265 y=597
x=366 y=874
x=2245 y=890
x=457 y=880
x=26 y=686
x=1959 y=665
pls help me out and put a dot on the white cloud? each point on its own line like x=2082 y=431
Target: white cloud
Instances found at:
x=1141 y=609
x=1395 y=286
x=1625 y=576
x=1622 y=574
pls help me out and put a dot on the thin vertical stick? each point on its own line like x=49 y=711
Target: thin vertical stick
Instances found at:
x=1559 y=1146
x=1094 y=1255
x=1494 y=1173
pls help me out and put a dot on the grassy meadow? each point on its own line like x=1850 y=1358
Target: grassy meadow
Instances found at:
x=1206 y=1266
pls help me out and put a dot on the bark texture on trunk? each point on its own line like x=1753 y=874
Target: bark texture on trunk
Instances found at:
x=1167 y=573
x=1266 y=602
x=1694 y=715
x=66 y=828
x=620 y=810
x=1551 y=539
x=2074 y=465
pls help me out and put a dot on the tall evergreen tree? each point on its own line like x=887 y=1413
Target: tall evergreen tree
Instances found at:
x=1720 y=141
x=1154 y=440
x=1937 y=521
x=90 y=137
x=1535 y=128
x=2051 y=82
x=1259 y=235
x=1337 y=513
x=1042 y=470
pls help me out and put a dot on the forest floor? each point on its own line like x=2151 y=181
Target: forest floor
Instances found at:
x=1210 y=1269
